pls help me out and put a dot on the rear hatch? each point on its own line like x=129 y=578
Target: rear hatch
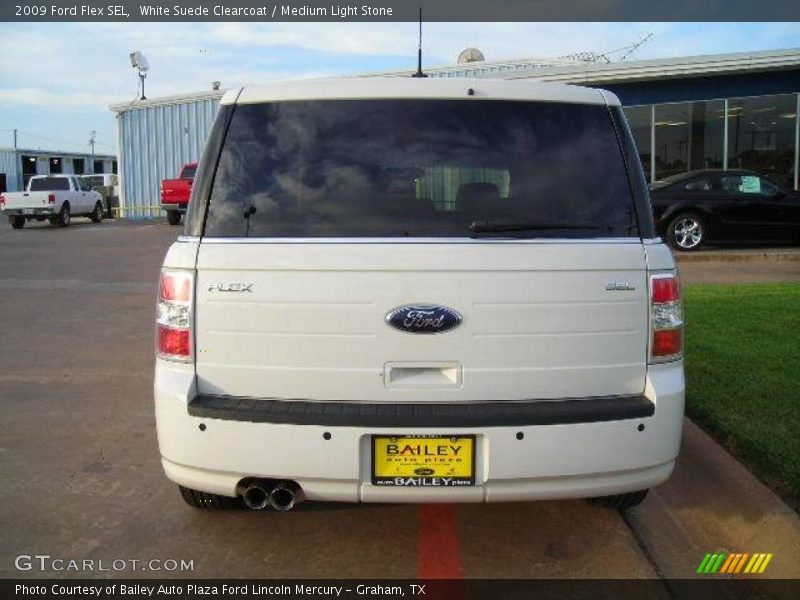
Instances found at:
x=324 y=217
x=538 y=321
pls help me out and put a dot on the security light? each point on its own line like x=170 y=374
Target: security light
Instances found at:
x=139 y=61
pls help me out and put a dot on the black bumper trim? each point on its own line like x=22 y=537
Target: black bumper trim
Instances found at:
x=467 y=414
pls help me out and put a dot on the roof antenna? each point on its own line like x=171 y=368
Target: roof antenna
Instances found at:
x=419 y=72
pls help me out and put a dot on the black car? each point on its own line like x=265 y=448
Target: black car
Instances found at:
x=712 y=205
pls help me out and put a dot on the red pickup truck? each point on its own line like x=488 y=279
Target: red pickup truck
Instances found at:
x=175 y=193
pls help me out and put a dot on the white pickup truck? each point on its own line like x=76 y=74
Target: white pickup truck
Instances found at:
x=54 y=197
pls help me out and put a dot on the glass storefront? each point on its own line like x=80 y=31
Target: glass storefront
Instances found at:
x=761 y=135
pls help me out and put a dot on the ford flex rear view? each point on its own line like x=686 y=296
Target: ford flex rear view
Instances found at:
x=418 y=290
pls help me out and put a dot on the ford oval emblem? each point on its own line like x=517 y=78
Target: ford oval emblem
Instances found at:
x=423 y=318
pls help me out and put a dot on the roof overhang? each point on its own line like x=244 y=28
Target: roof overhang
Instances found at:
x=167 y=100
x=666 y=68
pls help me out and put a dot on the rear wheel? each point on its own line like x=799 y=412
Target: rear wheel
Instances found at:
x=686 y=232
x=97 y=213
x=17 y=222
x=208 y=501
x=620 y=501
x=173 y=217
x=63 y=218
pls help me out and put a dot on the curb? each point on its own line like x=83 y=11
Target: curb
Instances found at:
x=737 y=256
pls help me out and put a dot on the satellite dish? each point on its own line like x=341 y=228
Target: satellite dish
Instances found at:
x=470 y=55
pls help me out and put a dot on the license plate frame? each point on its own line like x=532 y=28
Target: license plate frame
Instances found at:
x=445 y=474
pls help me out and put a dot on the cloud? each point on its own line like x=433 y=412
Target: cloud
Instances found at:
x=81 y=68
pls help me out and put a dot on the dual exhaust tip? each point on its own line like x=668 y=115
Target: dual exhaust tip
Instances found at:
x=281 y=495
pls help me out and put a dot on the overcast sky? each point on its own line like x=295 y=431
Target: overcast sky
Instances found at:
x=57 y=80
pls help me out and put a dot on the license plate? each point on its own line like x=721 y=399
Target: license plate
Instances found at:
x=423 y=461
x=27 y=211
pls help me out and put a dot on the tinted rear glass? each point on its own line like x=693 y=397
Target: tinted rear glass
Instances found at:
x=397 y=168
x=188 y=173
x=50 y=184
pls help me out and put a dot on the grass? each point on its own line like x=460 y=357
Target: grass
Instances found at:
x=743 y=375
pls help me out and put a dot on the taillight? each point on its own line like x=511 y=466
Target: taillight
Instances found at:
x=174 y=315
x=2 y=200
x=51 y=198
x=666 y=318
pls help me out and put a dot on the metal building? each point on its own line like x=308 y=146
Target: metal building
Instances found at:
x=737 y=110
x=18 y=165
x=156 y=137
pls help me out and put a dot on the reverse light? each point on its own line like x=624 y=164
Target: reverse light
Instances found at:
x=666 y=318
x=174 y=315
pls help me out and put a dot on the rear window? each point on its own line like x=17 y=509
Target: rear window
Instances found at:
x=188 y=173
x=50 y=184
x=94 y=181
x=420 y=168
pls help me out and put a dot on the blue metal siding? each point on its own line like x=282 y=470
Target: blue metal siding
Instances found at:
x=155 y=142
x=705 y=88
x=9 y=164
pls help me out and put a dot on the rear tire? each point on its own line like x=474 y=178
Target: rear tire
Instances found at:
x=620 y=501
x=63 y=218
x=687 y=232
x=208 y=501
x=173 y=217
x=17 y=222
x=97 y=213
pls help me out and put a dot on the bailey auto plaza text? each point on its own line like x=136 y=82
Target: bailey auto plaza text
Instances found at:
x=196 y=589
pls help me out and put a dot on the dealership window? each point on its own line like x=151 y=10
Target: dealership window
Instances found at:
x=761 y=136
x=707 y=135
x=689 y=136
x=79 y=166
x=640 y=120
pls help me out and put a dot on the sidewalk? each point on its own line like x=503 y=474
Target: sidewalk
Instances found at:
x=713 y=503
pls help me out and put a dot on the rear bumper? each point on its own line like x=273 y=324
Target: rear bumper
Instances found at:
x=30 y=212
x=450 y=416
x=554 y=459
x=176 y=207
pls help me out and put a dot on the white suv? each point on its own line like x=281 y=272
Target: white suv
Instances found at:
x=418 y=290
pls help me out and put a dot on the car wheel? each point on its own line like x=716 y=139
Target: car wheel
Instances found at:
x=17 y=222
x=686 y=232
x=63 y=218
x=97 y=213
x=620 y=501
x=208 y=501
x=173 y=217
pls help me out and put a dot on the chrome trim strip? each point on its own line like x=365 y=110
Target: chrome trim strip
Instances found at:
x=411 y=240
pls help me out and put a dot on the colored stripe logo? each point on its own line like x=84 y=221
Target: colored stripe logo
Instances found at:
x=733 y=563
